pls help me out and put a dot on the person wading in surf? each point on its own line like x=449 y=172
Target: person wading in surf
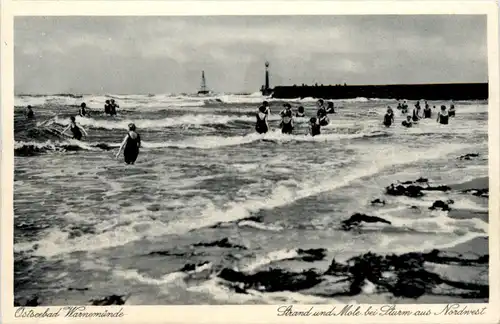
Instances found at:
x=389 y=117
x=416 y=113
x=314 y=127
x=107 y=107
x=331 y=108
x=404 y=108
x=262 y=126
x=427 y=111
x=300 y=112
x=443 y=116
x=83 y=111
x=286 y=119
x=451 y=112
x=321 y=113
x=29 y=112
x=130 y=145
x=76 y=129
x=407 y=123
x=113 y=107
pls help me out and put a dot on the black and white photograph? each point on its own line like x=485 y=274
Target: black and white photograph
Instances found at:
x=249 y=160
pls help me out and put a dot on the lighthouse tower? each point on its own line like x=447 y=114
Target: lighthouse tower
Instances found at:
x=265 y=89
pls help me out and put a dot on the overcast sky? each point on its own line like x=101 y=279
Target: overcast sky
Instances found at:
x=130 y=55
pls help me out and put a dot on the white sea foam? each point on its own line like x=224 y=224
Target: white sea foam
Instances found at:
x=57 y=242
x=271 y=257
x=132 y=102
x=167 y=279
x=260 y=226
x=202 y=119
x=210 y=142
x=215 y=288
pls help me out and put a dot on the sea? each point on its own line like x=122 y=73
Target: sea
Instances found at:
x=88 y=225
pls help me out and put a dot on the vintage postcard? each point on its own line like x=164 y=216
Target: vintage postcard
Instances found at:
x=250 y=162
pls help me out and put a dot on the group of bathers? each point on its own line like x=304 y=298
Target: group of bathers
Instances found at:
x=287 y=118
x=418 y=113
x=130 y=145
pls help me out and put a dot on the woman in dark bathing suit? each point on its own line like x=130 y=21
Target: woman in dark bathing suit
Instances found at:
x=75 y=129
x=83 y=111
x=331 y=108
x=29 y=112
x=407 y=123
x=443 y=116
x=404 y=108
x=112 y=108
x=314 y=127
x=389 y=117
x=300 y=112
x=321 y=113
x=261 y=126
x=286 y=119
x=107 y=108
x=451 y=112
x=427 y=111
x=130 y=145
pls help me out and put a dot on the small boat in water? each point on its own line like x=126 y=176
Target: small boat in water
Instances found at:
x=203 y=89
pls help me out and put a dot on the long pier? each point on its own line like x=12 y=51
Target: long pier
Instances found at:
x=442 y=91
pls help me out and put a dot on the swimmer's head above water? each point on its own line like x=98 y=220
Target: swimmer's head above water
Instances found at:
x=287 y=106
x=301 y=109
x=265 y=104
x=320 y=102
x=73 y=119
x=83 y=105
x=443 y=107
x=313 y=120
x=131 y=127
x=107 y=101
x=330 y=104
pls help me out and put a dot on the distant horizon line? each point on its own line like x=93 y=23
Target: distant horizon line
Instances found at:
x=240 y=92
